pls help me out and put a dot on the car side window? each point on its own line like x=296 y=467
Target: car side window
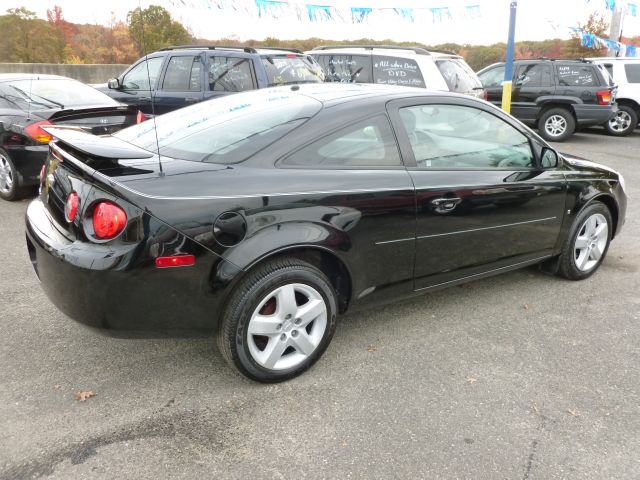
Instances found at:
x=534 y=75
x=183 y=74
x=460 y=137
x=138 y=77
x=367 y=143
x=230 y=74
x=396 y=71
x=576 y=76
x=633 y=72
x=492 y=78
x=346 y=68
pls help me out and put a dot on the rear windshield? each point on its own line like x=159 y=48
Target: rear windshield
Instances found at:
x=458 y=75
x=290 y=69
x=224 y=130
x=48 y=94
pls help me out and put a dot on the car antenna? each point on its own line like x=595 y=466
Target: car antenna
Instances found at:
x=153 y=111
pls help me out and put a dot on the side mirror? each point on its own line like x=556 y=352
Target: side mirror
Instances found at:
x=113 y=84
x=549 y=158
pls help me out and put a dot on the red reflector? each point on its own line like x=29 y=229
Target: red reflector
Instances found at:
x=140 y=117
x=71 y=206
x=175 y=261
x=108 y=220
x=42 y=172
x=37 y=133
x=291 y=55
x=604 y=97
x=485 y=94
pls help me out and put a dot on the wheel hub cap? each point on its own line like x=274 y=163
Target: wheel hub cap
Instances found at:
x=620 y=122
x=591 y=241
x=6 y=177
x=555 y=125
x=287 y=326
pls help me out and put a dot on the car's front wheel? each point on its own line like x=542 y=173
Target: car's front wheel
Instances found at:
x=556 y=124
x=587 y=243
x=279 y=320
x=624 y=122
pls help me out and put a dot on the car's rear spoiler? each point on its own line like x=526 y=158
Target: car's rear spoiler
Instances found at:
x=96 y=146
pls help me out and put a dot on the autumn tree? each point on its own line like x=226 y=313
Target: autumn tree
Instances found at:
x=25 y=38
x=153 y=28
x=596 y=25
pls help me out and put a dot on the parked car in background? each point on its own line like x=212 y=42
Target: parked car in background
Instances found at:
x=264 y=215
x=555 y=96
x=29 y=102
x=625 y=73
x=391 y=65
x=175 y=77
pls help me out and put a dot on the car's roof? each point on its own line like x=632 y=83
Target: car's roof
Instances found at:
x=9 y=77
x=334 y=92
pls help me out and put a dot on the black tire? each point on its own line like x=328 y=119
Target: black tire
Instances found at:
x=625 y=121
x=568 y=262
x=10 y=188
x=558 y=113
x=255 y=290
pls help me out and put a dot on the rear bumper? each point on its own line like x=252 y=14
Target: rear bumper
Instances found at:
x=119 y=287
x=589 y=115
x=28 y=162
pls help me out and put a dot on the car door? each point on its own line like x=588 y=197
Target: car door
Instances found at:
x=137 y=84
x=492 y=82
x=228 y=73
x=533 y=82
x=180 y=84
x=483 y=201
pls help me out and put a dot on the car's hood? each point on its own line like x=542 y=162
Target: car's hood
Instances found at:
x=579 y=163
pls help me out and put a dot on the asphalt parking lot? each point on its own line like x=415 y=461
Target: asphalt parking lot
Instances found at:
x=521 y=376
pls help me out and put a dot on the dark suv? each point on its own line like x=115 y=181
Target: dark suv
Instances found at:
x=178 y=76
x=556 y=96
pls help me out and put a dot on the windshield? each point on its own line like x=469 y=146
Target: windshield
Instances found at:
x=46 y=94
x=458 y=75
x=290 y=69
x=224 y=130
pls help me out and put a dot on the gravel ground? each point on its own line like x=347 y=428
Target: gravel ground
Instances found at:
x=521 y=376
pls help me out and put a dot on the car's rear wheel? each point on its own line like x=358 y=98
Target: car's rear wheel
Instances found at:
x=278 y=321
x=556 y=124
x=624 y=122
x=10 y=188
x=588 y=242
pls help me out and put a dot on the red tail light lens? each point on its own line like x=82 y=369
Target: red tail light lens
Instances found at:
x=175 y=261
x=604 y=97
x=109 y=220
x=71 y=206
x=36 y=132
x=141 y=117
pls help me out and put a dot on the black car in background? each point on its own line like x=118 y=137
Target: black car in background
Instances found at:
x=29 y=102
x=555 y=96
x=270 y=213
x=175 y=77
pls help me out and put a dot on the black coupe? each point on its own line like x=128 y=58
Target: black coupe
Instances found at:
x=265 y=215
x=29 y=102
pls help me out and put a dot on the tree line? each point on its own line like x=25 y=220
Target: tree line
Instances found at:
x=26 y=38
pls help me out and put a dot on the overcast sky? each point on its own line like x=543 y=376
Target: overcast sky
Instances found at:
x=537 y=19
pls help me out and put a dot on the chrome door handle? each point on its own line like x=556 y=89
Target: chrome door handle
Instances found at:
x=445 y=204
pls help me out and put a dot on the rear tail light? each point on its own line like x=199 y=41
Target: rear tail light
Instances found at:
x=109 y=220
x=71 y=207
x=141 y=117
x=604 y=97
x=291 y=55
x=175 y=261
x=35 y=132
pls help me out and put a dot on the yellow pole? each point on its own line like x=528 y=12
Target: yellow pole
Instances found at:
x=506 y=95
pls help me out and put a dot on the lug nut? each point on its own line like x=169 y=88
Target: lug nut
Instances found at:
x=288 y=316
x=279 y=326
x=283 y=337
x=294 y=333
x=298 y=320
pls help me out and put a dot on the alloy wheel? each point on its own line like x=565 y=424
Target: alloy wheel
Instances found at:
x=287 y=326
x=6 y=175
x=620 y=122
x=591 y=242
x=555 y=125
